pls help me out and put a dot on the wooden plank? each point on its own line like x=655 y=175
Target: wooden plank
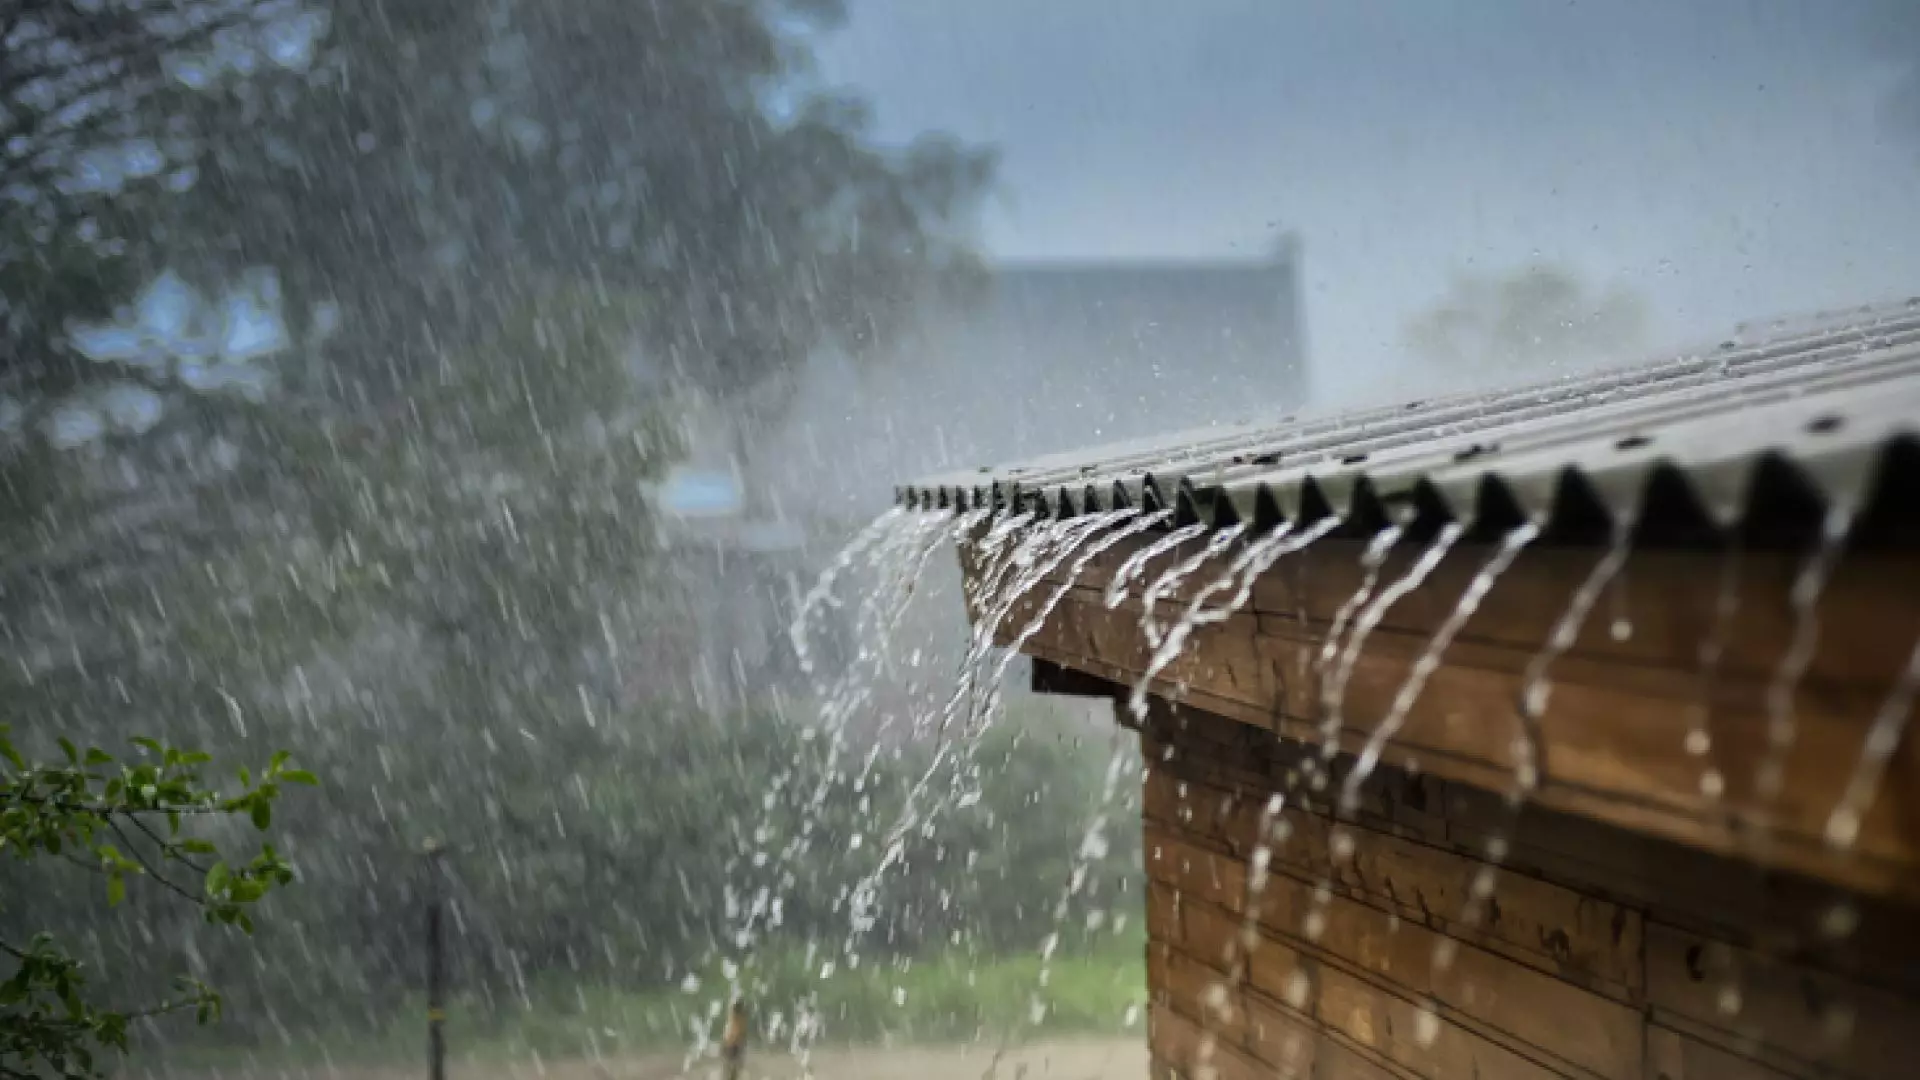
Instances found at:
x=1796 y=1014
x=1553 y=928
x=1414 y=1037
x=1711 y=895
x=1163 y=914
x=1562 y=1020
x=1675 y=1056
x=1280 y=1038
x=1870 y=609
x=1336 y=1060
x=1612 y=743
x=1191 y=1051
x=1206 y=996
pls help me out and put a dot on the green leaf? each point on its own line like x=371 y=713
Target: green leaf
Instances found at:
x=66 y=747
x=262 y=814
x=217 y=877
x=195 y=846
x=300 y=776
x=279 y=759
x=116 y=890
x=147 y=744
x=97 y=756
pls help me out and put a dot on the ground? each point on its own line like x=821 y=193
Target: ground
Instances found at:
x=1061 y=1059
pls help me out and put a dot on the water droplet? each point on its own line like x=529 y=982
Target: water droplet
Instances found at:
x=1843 y=828
x=1314 y=925
x=1840 y=921
x=1297 y=988
x=1729 y=1001
x=1426 y=1027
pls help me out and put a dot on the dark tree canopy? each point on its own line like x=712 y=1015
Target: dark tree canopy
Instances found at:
x=422 y=167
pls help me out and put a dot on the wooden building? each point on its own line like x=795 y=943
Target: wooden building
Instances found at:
x=1636 y=653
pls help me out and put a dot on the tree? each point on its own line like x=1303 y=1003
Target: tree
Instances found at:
x=1538 y=314
x=121 y=819
x=504 y=236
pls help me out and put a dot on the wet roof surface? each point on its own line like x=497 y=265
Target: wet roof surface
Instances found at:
x=1761 y=438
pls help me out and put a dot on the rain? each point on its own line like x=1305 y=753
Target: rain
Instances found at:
x=826 y=538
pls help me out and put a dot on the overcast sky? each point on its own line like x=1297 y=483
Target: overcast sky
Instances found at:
x=1728 y=158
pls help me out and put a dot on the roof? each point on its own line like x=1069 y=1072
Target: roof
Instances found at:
x=1741 y=436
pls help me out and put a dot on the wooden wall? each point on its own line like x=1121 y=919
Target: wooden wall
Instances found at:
x=1600 y=953
x=1625 y=694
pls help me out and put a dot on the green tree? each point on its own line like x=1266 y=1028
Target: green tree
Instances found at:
x=506 y=235
x=146 y=818
x=1518 y=321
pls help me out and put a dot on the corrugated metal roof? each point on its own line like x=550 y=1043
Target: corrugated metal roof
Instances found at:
x=1823 y=414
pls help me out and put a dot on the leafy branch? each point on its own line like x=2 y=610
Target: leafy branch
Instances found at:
x=123 y=818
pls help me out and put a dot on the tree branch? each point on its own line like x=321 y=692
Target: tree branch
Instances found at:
x=148 y=867
x=172 y=850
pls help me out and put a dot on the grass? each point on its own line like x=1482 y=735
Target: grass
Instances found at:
x=949 y=998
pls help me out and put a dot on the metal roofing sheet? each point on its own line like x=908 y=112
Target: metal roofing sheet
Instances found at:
x=1831 y=399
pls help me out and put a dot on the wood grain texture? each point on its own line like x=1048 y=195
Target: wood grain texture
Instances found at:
x=1331 y=967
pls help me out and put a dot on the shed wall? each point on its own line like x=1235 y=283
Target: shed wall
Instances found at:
x=1600 y=952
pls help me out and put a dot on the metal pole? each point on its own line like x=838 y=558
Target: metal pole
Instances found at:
x=436 y=968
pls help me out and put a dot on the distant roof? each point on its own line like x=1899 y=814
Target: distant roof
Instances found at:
x=1095 y=327
x=1053 y=355
x=1823 y=415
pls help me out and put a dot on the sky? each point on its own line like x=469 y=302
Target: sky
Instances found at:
x=1728 y=159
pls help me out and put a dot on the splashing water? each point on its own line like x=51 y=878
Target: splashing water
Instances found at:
x=1171 y=579
x=1883 y=739
x=1536 y=691
x=1371 y=560
x=1804 y=601
x=892 y=552
x=1139 y=524
x=1093 y=846
x=1130 y=569
x=822 y=589
x=1269 y=833
x=1335 y=691
x=1041 y=553
x=1429 y=659
x=1253 y=561
x=1699 y=737
x=1536 y=686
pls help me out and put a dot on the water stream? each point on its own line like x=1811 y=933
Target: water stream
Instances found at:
x=1371 y=560
x=1803 y=599
x=1022 y=563
x=1171 y=580
x=1253 y=561
x=1334 y=692
x=1429 y=660
x=1884 y=733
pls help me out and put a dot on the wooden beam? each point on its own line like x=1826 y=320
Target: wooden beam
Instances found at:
x=1625 y=696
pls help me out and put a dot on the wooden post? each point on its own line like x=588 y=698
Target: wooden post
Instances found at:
x=436 y=967
x=733 y=1047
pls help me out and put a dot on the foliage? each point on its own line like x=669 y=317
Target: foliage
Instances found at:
x=116 y=818
x=421 y=170
x=428 y=560
x=1538 y=314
